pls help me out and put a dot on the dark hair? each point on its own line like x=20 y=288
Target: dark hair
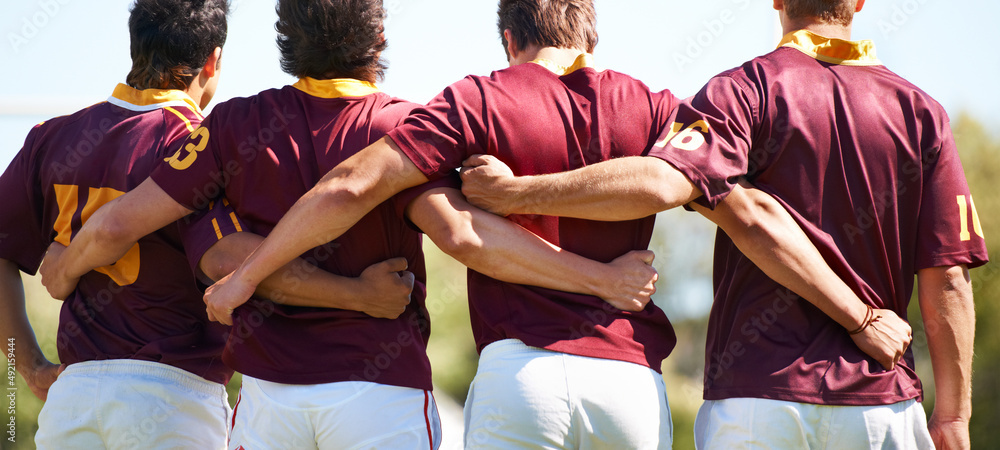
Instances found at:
x=173 y=39
x=326 y=39
x=829 y=11
x=549 y=23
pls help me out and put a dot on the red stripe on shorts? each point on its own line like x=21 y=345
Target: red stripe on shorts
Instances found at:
x=236 y=407
x=427 y=418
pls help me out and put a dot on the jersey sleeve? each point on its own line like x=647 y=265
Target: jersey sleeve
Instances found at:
x=205 y=228
x=439 y=136
x=193 y=173
x=709 y=137
x=949 y=231
x=23 y=238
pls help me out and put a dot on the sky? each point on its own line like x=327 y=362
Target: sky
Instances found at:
x=62 y=55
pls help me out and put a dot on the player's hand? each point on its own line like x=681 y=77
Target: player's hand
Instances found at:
x=632 y=281
x=489 y=184
x=388 y=286
x=53 y=278
x=949 y=433
x=886 y=339
x=225 y=296
x=41 y=376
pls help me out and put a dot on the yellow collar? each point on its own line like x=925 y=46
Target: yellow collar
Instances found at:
x=150 y=99
x=335 y=88
x=834 y=51
x=584 y=60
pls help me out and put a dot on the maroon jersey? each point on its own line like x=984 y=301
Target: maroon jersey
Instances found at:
x=866 y=163
x=146 y=306
x=264 y=152
x=539 y=122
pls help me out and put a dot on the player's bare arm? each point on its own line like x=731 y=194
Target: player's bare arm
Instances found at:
x=38 y=372
x=382 y=291
x=329 y=209
x=945 y=295
x=748 y=216
x=108 y=235
x=618 y=189
x=767 y=234
x=501 y=249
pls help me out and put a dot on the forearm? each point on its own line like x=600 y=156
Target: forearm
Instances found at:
x=117 y=226
x=615 y=190
x=946 y=303
x=298 y=283
x=15 y=323
x=500 y=249
x=768 y=235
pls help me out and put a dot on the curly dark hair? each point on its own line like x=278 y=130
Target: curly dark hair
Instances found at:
x=327 y=39
x=173 y=39
x=549 y=23
x=839 y=12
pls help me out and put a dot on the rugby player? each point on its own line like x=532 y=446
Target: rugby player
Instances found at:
x=867 y=164
x=332 y=378
x=136 y=323
x=546 y=356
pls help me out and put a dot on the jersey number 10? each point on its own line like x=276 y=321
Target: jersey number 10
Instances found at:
x=965 y=203
x=123 y=272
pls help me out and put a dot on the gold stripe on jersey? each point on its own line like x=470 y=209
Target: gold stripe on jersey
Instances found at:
x=67 y=199
x=830 y=50
x=185 y=119
x=236 y=222
x=151 y=99
x=582 y=61
x=218 y=231
x=335 y=88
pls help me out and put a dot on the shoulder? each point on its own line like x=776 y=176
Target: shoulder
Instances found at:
x=392 y=111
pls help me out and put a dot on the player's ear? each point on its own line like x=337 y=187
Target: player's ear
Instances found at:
x=212 y=65
x=861 y=4
x=511 y=46
x=779 y=5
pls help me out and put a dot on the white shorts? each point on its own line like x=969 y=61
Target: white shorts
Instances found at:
x=128 y=404
x=736 y=422
x=525 y=397
x=345 y=415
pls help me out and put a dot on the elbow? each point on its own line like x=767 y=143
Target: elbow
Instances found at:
x=461 y=248
x=459 y=241
x=216 y=265
x=112 y=231
x=668 y=188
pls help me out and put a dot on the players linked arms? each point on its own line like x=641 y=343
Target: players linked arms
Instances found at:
x=381 y=291
x=630 y=188
x=502 y=250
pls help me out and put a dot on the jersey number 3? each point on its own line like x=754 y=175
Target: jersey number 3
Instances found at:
x=123 y=272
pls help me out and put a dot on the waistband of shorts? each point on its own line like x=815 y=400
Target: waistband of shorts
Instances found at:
x=145 y=368
x=513 y=347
